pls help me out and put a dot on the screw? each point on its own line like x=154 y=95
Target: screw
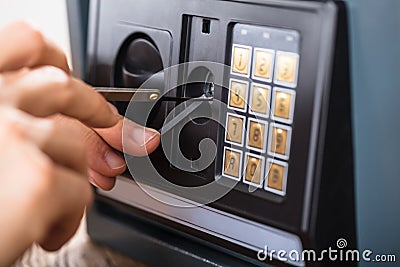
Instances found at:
x=153 y=96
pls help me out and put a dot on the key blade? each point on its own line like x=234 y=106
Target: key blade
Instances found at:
x=129 y=94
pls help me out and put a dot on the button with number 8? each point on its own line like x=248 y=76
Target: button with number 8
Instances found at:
x=257 y=136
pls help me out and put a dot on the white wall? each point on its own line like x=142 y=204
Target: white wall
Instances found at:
x=49 y=16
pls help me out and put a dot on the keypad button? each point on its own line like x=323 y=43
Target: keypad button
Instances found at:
x=276 y=177
x=257 y=135
x=260 y=96
x=286 y=69
x=263 y=64
x=238 y=94
x=279 y=141
x=232 y=163
x=241 y=59
x=283 y=105
x=254 y=170
x=235 y=128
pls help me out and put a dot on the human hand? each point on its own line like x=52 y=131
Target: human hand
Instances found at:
x=32 y=81
x=44 y=162
x=44 y=188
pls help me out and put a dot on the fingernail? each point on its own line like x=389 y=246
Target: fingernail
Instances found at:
x=143 y=136
x=92 y=181
x=114 y=161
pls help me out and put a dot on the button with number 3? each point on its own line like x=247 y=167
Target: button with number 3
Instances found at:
x=287 y=67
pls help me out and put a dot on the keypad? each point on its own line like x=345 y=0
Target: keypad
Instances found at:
x=261 y=101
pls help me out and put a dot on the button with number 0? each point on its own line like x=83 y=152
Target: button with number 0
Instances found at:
x=254 y=173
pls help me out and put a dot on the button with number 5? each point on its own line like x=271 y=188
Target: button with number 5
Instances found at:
x=260 y=100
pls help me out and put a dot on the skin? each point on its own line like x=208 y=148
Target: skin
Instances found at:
x=56 y=134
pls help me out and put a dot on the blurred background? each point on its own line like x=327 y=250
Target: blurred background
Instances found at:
x=49 y=16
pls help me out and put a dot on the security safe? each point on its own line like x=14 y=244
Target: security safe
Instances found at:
x=283 y=144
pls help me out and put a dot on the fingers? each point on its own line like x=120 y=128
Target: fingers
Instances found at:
x=101 y=181
x=105 y=163
x=48 y=90
x=51 y=195
x=71 y=192
x=130 y=137
x=58 y=142
x=26 y=47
